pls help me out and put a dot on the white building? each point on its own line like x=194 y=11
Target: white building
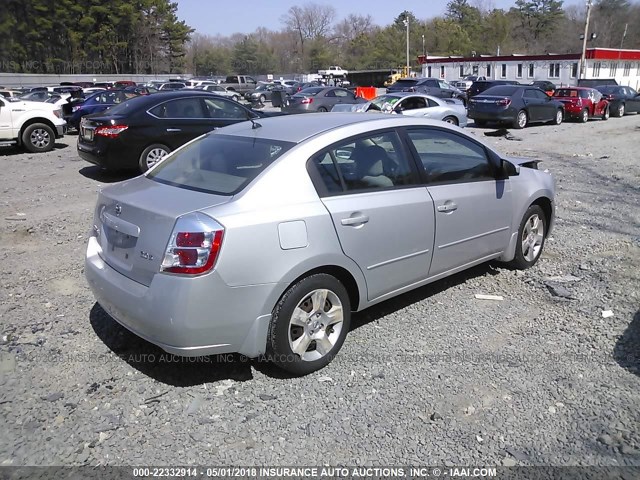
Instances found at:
x=561 y=69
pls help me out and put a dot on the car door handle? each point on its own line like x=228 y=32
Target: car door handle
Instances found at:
x=355 y=220
x=447 y=207
x=174 y=129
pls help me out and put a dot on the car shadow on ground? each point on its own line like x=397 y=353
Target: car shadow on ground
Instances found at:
x=365 y=317
x=169 y=369
x=8 y=151
x=94 y=172
x=177 y=371
x=627 y=349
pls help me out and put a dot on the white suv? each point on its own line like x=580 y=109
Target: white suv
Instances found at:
x=32 y=125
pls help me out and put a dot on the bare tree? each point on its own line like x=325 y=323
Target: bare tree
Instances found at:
x=311 y=21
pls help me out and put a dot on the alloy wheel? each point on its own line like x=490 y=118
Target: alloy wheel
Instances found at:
x=315 y=325
x=532 y=237
x=154 y=156
x=40 y=138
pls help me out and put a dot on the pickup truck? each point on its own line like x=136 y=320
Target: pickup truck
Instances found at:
x=467 y=81
x=239 y=83
x=333 y=71
x=32 y=125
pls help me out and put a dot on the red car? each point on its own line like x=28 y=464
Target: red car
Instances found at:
x=582 y=103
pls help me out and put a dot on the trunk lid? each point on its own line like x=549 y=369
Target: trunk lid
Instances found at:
x=135 y=220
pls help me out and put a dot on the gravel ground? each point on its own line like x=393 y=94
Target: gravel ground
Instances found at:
x=433 y=377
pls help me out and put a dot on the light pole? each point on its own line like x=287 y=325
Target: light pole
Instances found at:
x=584 y=42
x=406 y=24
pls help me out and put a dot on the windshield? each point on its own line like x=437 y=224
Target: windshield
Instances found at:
x=383 y=100
x=218 y=164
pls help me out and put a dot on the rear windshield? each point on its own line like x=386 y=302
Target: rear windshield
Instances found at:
x=219 y=164
x=609 y=89
x=311 y=91
x=504 y=90
x=405 y=83
x=571 y=93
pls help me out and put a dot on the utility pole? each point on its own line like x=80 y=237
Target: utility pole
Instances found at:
x=406 y=24
x=581 y=74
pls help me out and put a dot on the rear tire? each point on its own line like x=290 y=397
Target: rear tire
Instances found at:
x=322 y=109
x=38 y=137
x=452 y=120
x=521 y=120
x=584 y=116
x=620 y=111
x=531 y=238
x=309 y=324
x=559 y=117
x=152 y=155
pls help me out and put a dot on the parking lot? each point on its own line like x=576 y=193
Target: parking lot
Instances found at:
x=434 y=377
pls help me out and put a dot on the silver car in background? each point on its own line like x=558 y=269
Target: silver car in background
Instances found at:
x=262 y=238
x=450 y=110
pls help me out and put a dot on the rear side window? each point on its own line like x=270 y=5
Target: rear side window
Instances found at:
x=370 y=162
x=218 y=164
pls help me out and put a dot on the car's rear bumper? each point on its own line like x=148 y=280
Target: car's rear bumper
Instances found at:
x=108 y=154
x=491 y=116
x=184 y=316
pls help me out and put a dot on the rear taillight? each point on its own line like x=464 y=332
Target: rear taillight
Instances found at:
x=110 y=131
x=194 y=246
x=505 y=102
x=306 y=100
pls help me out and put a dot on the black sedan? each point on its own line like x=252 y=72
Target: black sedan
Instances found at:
x=517 y=105
x=621 y=99
x=141 y=131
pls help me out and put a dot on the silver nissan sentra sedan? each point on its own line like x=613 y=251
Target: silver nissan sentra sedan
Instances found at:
x=262 y=238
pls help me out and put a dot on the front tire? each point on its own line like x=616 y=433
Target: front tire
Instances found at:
x=322 y=109
x=605 y=114
x=620 y=112
x=309 y=324
x=531 y=238
x=452 y=120
x=152 y=155
x=521 y=119
x=38 y=137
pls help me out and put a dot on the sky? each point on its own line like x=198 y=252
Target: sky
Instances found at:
x=224 y=17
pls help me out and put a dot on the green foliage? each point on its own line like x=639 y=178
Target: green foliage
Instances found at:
x=92 y=36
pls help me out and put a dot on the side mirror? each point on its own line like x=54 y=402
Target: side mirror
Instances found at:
x=508 y=169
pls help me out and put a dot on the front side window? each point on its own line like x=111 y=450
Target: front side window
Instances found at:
x=220 y=108
x=449 y=157
x=370 y=162
x=218 y=164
